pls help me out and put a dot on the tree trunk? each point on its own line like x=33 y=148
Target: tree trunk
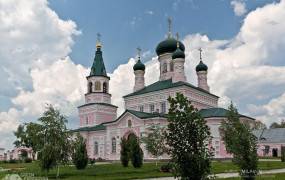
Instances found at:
x=57 y=174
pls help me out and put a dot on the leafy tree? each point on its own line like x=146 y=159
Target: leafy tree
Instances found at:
x=259 y=125
x=277 y=125
x=80 y=157
x=20 y=135
x=136 y=153
x=56 y=147
x=155 y=141
x=240 y=142
x=124 y=152
x=188 y=139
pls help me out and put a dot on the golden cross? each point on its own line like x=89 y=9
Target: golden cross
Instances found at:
x=200 y=49
x=98 y=37
x=139 y=52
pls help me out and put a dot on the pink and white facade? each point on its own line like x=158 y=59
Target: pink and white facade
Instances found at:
x=147 y=105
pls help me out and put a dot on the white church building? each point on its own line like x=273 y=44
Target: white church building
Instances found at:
x=146 y=105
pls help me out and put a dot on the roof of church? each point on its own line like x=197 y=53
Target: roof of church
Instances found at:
x=91 y=128
x=276 y=135
x=139 y=114
x=98 y=67
x=166 y=84
x=217 y=112
x=97 y=104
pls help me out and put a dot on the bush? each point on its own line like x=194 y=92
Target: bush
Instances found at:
x=28 y=160
x=166 y=168
x=92 y=161
x=283 y=153
x=124 y=153
x=101 y=159
x=136 y=153
x=13 y=161
x=80 y=157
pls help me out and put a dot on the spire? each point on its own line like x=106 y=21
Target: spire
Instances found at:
x=139 y=65
x=98 y=67
x=169 y=27
x=98 y=42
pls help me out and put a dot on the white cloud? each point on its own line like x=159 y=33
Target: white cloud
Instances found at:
x=33 y=39
x=239 y=7
x=62 y=84
x=149 y=12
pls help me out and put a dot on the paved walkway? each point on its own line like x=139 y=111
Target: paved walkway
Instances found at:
x=229 y=175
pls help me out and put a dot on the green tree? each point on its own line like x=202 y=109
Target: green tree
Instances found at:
x=136 y=153
x=241 y=143
x=124 y=152
x=155 y=141
x=20 y=135
x=56 y=139
x=80 y=157
x=188 y=139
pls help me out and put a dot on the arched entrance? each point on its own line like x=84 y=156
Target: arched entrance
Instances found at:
x=274 y=152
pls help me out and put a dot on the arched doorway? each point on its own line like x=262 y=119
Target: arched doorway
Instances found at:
x=274 y=152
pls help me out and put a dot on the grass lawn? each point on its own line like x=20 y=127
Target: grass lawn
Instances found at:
x=116 y=171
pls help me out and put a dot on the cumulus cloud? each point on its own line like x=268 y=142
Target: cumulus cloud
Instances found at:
x=62 y=84
x=33 y=38
x=239 y=7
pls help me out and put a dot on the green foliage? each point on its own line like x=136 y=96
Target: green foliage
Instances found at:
x=283 y=153
x=155 y=141
x=54 y=140
x=240 y=142
x=124 y=152
x=28 y=160
x=80 y=157
x=277 y=125
x=188 y=138
x=92 y=161
x=136 y=153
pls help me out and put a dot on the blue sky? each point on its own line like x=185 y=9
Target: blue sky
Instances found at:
x=127 y=24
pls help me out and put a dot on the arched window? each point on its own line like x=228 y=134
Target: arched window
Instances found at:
x=164 y=68
x=86 y=120
x=113 y=145
x=129 y=123
x=90 y=87
x=105 y=88
x=96 y=148
x=171 y=66
x=97 y=86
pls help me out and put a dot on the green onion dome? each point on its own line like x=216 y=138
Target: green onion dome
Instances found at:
x=201 y=67
x=139 y=66
x=178 y=54
x=168 y=46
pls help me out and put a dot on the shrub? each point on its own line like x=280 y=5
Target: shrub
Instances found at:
x=28 y=160
x=100 y=159
x=283 y=153
x=80 y=157
x=13 y=161
x=124 y=153
x=136 y=153
x=166 y=168
x=92 y=161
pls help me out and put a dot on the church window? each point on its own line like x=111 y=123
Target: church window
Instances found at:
x=90 y=87
x=86 y=120
x=113 y=145
x=171 y=66
x=141 y=108
x=164 y=68
x=151 y=108
x=163 y=107
x=129 y=123
x=96 y=149
x=105 y=88
x=97 y=86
